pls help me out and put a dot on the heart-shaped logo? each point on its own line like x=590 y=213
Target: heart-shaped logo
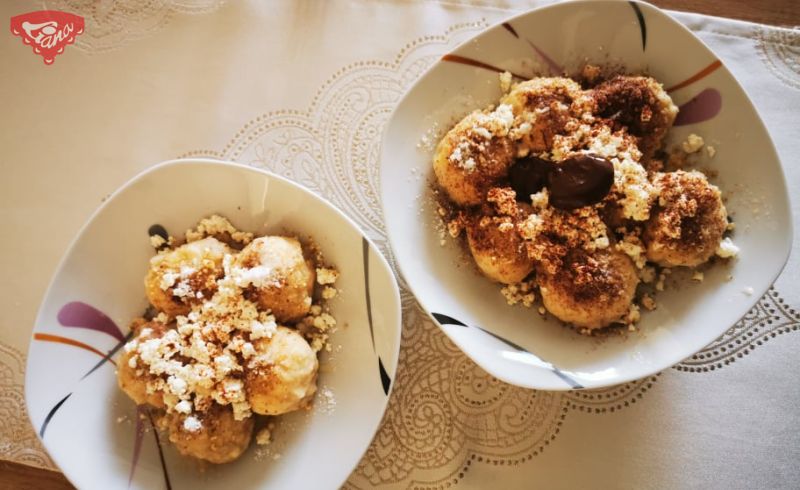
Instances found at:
x=47 y=31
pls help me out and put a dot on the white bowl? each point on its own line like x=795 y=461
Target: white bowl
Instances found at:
x=513 y=343
x=89 y=426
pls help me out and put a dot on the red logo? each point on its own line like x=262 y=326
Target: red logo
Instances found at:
x=47 y=31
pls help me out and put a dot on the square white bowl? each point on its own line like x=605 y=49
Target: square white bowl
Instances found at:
x=515 y=344
x=71 y=389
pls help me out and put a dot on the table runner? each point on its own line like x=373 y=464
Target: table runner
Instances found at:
x=294 y=88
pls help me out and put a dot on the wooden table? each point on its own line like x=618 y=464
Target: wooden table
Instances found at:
x=775 y=12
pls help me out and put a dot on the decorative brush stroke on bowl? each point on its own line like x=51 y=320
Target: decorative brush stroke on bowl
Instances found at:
x=516 y=344
x=71 y=388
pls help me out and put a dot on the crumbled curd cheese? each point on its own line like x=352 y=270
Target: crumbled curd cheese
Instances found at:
x=217 y=225
x=157 y=241
x=727 y=249
x=634 y=251
x=540 y=199
x=519 y=293
x=192 y=424
x=693 y=143
x=326 y=276
x=264 y=436
x=183 y=406
x=482 y=132
x=601 y=242
x=505 y=81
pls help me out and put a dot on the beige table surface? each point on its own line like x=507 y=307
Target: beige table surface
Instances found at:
x=134 y=91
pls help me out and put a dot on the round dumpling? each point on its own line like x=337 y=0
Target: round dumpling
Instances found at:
x=214 y=435
x=282 y=375
x=639 y=103
x=132 y=376
x=475 y=155
x=184 y=276
x=538 y=92
x=590 y=290
x=498 y=250
x=687 y=226
x=542 y=109
x=134 y=385
x=277 y=275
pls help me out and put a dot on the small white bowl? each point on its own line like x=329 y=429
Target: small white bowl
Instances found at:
x=515 y=344
x=90 y=427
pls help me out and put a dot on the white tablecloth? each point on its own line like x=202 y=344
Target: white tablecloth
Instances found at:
x=290 y=86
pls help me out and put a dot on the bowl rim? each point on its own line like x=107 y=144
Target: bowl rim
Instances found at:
x=396 y=317
x=673 y=359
